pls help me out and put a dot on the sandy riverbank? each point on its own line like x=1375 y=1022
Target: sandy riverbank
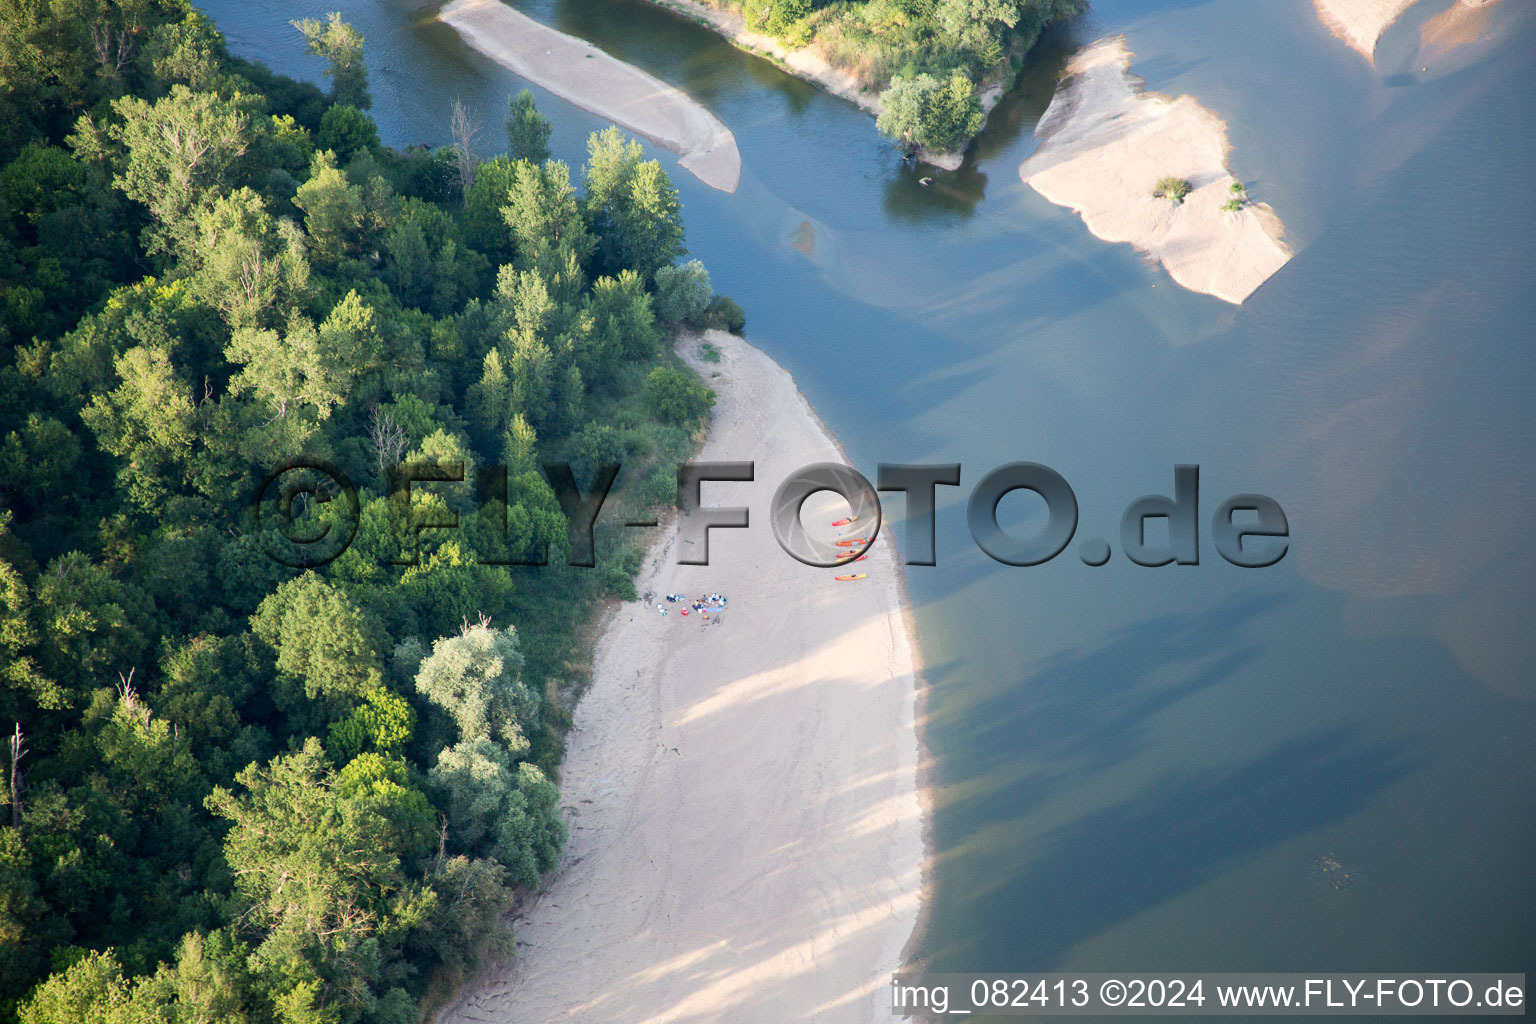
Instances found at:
x=746 y=826
x=580 y=73
x=1104 y=143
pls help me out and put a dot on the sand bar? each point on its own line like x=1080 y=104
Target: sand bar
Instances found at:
x=580 y=73
x=1360 y=23
x=746 y=825
x=1104 y=143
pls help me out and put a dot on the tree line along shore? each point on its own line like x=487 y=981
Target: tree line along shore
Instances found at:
x=930 y=70
x=235 y=790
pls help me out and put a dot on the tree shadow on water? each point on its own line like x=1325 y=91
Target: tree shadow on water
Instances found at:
x=1093 y=705
x=1109 y=865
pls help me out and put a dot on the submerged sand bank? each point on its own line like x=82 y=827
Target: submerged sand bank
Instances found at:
x=1360 y=24
x=580 y=73
x=1463 y=24
x=1104 y=143
x=746 y=832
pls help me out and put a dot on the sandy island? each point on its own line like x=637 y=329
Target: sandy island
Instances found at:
x=1104 y=143
x=580 y=73
x=746 y=827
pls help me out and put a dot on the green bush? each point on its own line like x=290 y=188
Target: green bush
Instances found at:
x=676 y=397
x=709 y=353
x=924 y=111
x=682 y=293
x=346 y=130
x=723 y=314
x=1172 y=188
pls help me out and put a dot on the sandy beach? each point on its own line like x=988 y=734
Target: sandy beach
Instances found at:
x=1105 y=142
x=580 y=73
x=746 y=824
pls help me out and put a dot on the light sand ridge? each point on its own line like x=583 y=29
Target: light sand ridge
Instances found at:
x=746 y=829
x=580 y=73
x=1105 y=142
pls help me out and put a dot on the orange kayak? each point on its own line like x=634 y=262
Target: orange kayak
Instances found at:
x=854 y=576
x=852 y=542
x=851 y=557
x=845 y=522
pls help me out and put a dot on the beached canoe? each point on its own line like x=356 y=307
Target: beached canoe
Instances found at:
x=845 y=522
x=852 y=542
x=851 y=577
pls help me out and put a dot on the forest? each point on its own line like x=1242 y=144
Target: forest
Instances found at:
x=234 y=790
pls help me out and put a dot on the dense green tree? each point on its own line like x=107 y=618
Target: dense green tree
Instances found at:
x=631 y=205
x=476 y=677
x=321 y=876
x=491 y=804
x=322 y=640
x=622 y=316
x=347 y=130
x=682 y=293
x=247 y=259
x=341 y=47
x=189 y=51
x=335 y=210
x=934 y=114
x=92 y=625
x=382 y=724
x=427 y=265
x=93 y=989
x=180 y=150
x=548 y=230
x=527 y=129
x=485 y=229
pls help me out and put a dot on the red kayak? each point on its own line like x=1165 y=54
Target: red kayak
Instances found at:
x=853 y=542
x=850 y=557
x=845 y=522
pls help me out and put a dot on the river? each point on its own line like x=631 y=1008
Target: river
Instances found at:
x=1322 y=765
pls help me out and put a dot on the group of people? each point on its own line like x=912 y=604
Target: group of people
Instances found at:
x=703 y=606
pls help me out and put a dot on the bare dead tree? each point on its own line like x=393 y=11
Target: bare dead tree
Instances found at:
x=464 y=127
x=386 y=439
x=116 y=44
x=18 y=751
x=128 y=698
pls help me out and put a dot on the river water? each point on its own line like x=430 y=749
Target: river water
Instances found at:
x=1323 y=765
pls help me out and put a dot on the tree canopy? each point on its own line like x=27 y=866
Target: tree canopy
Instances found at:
x=248 y=788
